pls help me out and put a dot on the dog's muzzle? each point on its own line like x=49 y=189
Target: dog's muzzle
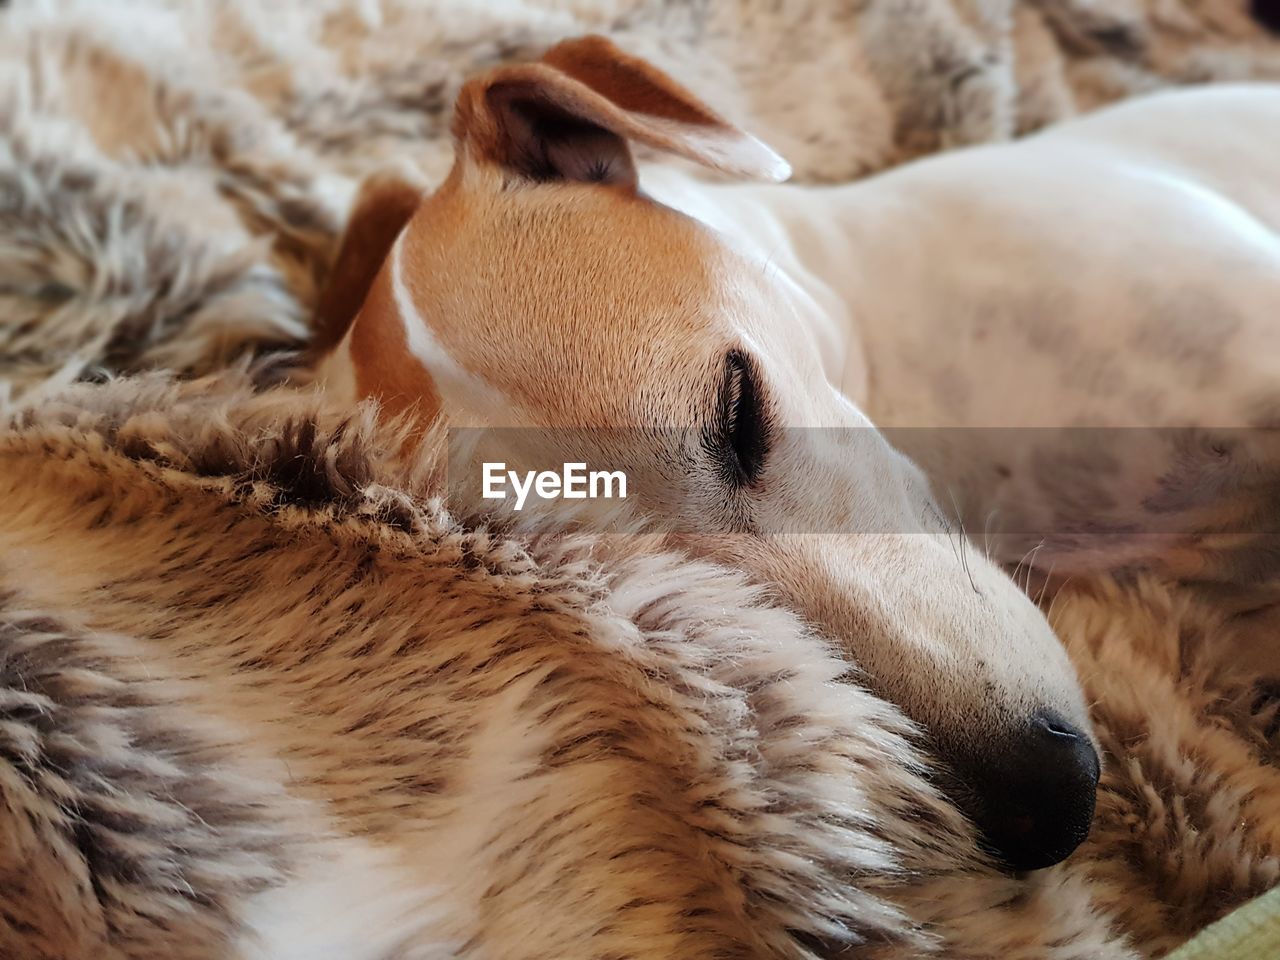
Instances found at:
x=1035 y=798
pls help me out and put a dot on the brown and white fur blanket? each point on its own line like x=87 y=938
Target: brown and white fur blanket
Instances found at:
x=244 y=659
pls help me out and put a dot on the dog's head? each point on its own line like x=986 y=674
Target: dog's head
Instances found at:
x=539 y=287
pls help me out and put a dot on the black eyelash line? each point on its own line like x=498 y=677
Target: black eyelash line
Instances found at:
x=743 y=429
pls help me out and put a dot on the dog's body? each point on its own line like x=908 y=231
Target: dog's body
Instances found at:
x=1114 y=276
x=1160 y=216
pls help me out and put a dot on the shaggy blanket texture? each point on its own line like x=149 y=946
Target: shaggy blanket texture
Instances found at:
x=173 y=178
x=199 y=580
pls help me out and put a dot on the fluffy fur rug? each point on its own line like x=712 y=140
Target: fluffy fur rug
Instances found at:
x=173 y=176
x=202 y=584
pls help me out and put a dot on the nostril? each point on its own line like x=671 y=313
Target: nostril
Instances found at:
x=1070 y=744
x=1058 y=730
x=1070 y=741
x=1058 y=727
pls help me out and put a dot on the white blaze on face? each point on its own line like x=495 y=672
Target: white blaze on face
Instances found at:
x=462 y=392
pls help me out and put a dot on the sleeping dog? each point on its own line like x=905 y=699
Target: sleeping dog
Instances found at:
x=729 y=347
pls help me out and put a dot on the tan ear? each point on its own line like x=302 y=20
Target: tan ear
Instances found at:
x=569 y=117
x=383 y=206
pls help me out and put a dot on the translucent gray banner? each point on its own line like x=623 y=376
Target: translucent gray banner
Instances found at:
x=1022 y=483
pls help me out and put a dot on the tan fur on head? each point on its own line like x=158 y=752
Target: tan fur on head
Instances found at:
x=567 y=118
x=381 y=210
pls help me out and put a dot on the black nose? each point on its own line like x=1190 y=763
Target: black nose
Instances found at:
x=1267 y=13
x=1036 y=798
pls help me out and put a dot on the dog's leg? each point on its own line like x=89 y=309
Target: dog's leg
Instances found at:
x=382 y=208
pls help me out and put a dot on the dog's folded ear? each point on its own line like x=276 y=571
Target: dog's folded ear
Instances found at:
x=569 y=117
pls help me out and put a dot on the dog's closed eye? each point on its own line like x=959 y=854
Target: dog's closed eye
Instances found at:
x=739 y=435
